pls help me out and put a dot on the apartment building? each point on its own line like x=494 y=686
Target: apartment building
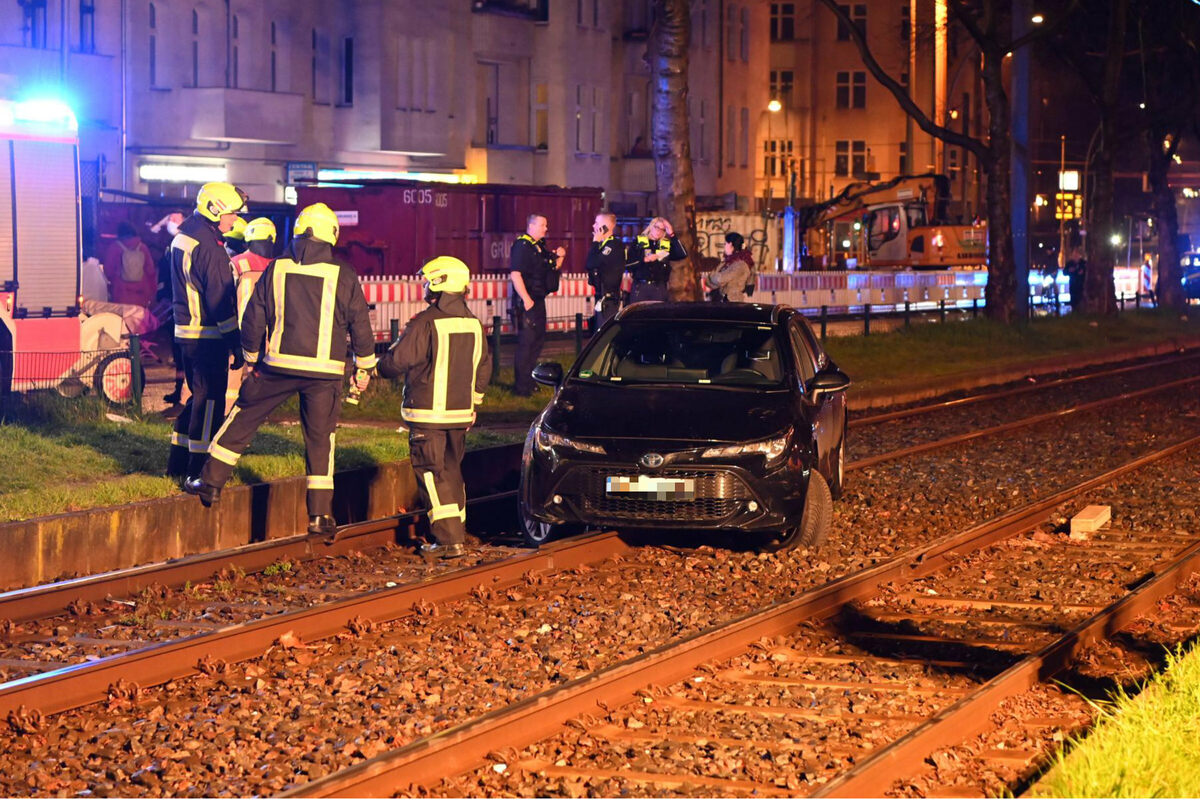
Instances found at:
x=836 y=124
x=268 y=93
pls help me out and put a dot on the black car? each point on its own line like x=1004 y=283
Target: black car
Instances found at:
x=1190 y=275
x=691 y=416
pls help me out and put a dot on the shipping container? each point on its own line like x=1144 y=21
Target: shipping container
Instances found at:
x=393 y=227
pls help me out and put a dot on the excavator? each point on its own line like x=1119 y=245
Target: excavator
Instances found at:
x=898 y=224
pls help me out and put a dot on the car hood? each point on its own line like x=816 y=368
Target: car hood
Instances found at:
x=604 y=411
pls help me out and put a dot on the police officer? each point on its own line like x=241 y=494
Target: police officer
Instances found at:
x=534 y=274
x=650 y=258
x=248 y=267
x=205 y=322
x=444 y=360
x=294 y=333
x=605 y=268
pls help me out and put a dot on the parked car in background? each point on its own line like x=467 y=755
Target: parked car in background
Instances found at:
x=691 y=416
x=1190 y=270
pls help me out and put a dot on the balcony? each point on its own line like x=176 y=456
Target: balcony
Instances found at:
x=536 y=10
x=244 y=115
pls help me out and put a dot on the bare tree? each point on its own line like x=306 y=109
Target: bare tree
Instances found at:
x=670 y=38
x=989 y=26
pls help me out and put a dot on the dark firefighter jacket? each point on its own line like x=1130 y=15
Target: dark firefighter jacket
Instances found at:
x=443 y=357
x=653 y=271
x=202 y=283
x=301 y=309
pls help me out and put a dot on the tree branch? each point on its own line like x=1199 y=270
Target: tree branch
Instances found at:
x=979 y=148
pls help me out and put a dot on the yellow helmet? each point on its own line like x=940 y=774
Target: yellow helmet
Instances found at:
x=446 y=274
x=216 y=199
x=319 y=222
x=260 y=229
x=238 y=231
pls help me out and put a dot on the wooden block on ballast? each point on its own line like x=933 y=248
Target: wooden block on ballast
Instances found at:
x=1091 y=519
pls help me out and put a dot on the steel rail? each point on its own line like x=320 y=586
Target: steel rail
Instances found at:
x=464 y=746
x=37 y=602
x=1024 y=422
x=875 y=419
x=87 y=682
x=970 y=715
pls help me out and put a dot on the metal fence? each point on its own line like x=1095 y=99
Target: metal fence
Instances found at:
x=113 y=374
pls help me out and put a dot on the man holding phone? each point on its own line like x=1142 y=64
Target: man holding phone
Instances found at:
x=605 y=266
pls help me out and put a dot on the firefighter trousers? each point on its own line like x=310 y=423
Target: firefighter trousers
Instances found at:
x=263 y=392
x=436 y=455
x=206 y=371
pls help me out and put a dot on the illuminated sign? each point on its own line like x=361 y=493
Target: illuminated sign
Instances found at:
x=336 y=175
x=183 y=173
x=1068 y=180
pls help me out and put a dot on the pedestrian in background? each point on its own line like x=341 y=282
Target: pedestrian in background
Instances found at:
x=1147 y=276
x=649 y=260
x=1075 y=268
x=205 y=322
x=294 y=336
x=129 y=267
x=444 y=361
x=162 y=233
x=728 y=282
x=605 y=268
x=534 y=272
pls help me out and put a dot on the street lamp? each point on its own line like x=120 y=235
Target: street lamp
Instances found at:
x=772 y=153
x=774 y=106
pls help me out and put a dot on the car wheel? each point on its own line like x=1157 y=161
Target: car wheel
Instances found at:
x=814 y=523
x=837 y=477
x=534 y=531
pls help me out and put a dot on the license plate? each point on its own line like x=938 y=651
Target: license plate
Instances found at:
x=647 y=487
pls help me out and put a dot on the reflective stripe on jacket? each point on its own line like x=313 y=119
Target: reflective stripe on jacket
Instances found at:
x=444 y=360
x=300 y=312
x=201 y=283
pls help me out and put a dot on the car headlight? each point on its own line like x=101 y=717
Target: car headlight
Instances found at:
x=547 y=440
x=771 y=448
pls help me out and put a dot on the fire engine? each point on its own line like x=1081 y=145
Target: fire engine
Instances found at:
x=45 y=340
x=899 y=224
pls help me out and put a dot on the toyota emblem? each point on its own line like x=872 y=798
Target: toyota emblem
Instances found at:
x=651 y=460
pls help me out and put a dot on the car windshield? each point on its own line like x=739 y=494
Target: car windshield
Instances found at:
x=685 y=352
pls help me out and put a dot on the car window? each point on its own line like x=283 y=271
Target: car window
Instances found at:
x=685 y=352
x=806 y=360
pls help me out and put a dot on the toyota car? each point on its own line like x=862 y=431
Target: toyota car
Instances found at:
x=691 y=416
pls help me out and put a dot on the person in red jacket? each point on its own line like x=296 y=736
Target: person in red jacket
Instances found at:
x=129 y=267
x=248 y=267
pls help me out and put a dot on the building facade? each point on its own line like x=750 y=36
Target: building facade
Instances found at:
x=172 y=93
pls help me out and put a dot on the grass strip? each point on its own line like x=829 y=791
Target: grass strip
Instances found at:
x=1144 y=744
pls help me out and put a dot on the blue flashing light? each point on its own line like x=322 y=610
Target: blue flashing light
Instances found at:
x=46 y=111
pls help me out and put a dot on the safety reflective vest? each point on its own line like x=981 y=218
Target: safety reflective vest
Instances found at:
x=297 y=319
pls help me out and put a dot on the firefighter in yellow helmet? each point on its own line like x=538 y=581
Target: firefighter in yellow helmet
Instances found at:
x=206 y=327
x=248 y=267
x=443 y=357
x=235 y=237
x=295 y=341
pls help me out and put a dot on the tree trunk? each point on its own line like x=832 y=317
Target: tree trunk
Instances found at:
x=671 y=136
x=1166 y=222
x=1000 y=294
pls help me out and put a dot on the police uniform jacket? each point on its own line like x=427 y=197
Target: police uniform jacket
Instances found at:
x=443 y=357
x=202 y=283
x=653 y=271
x=534 y=262
x=605 y=266
x=301 y=309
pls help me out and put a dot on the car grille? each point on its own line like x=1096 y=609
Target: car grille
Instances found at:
x=719 y=494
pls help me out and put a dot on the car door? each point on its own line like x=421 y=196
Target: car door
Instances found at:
x=828 y=416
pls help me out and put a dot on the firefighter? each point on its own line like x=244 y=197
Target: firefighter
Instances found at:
x=294 y=335
x=235 y=238
x=443 y=357
x=248 y=267
x=205 y=322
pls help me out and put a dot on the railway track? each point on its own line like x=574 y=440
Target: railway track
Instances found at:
x=44 y=662
x=838 y=692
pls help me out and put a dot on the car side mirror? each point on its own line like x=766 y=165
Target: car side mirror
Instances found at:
x=827 y=381
x=549 y=373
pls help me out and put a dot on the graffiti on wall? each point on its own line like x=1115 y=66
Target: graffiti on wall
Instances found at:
x=760 y=235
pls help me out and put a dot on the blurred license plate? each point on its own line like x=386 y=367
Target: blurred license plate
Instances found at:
x=646 y=487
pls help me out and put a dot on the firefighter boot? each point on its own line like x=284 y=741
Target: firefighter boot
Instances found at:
x=436 y=551
x=207 y=493
x=324 y=526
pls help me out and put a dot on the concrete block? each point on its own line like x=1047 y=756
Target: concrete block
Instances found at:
x=1091 y=519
